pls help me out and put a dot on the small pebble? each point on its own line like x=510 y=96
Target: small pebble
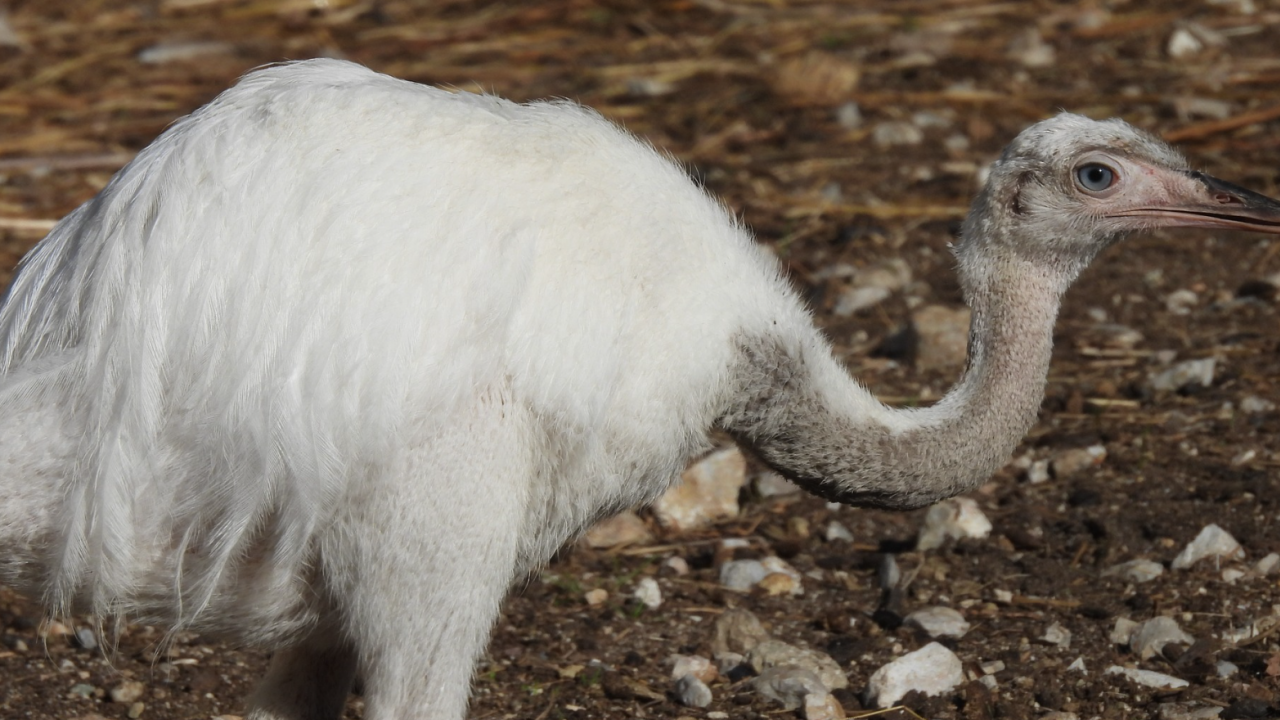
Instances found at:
x=1058 y=635
x=1038 y=472
x=648 y=592
x=596 y=596
x=788 y=685
x=1226 y=669
x=953 y=519
x=1183 y=44
x=84 y=690
x=896 y=132
x=1150 y=637
x=836 y=531
x=694 y=665
x=741 y=574
x=1254 y=405
x=135 y=710
x=128 y=691
x=1069 y=462
x=1123 y=631
x=822 y=706
x=1180 y=302
x=932 y=670
x=938 y=622
x=1183 y=375
x=707 y=491
x=86 y=639
x=737 y=631
x=625 y=528
x=1231 y=575
x=1212 y=542
x=678 y=565
x=1078 y=666
x=1137 y=571
x=1264 y=567
x=1188 y=711
x=1149 y=678
x=775 y=653
x=692 y=692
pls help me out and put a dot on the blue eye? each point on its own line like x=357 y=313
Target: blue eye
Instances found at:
x=1095 y=177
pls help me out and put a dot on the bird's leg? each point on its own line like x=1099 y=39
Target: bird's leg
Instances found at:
x=421 y=560
x=309 y=681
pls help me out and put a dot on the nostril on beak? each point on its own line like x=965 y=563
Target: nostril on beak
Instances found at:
x=1225 y=199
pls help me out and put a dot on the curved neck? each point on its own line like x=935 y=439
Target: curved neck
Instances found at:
x=801 y=413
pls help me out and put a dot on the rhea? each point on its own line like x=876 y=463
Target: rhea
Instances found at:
x=338 y=357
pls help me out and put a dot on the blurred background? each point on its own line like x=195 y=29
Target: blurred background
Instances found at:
x=849 y=136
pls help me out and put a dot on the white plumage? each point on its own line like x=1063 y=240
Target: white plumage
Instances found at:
x=338 y=357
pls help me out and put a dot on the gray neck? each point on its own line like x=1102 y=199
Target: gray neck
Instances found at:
x=794 y=410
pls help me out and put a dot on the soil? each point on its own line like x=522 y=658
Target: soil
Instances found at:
x=752 y=97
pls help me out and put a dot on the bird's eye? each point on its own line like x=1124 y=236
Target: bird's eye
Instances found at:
x=1095 y=177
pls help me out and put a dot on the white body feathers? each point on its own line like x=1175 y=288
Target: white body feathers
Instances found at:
x=331 y=298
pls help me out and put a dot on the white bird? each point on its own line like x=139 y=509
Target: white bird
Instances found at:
x=338 y=357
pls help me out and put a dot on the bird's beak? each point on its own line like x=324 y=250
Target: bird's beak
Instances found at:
x=1199 y=200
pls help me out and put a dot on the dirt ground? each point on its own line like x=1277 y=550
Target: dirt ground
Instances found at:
x=754 y=96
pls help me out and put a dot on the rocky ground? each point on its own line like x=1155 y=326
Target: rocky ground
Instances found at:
x=849 y=137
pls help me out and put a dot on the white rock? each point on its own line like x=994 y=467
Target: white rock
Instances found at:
x=1058 y=635
x=1183 y=44
x=771 y=484
x=166 y=53
x=694 y=665
x=1137 y=571
x=708 y=491
x=1149 y=638
x=128 y=691
x=1123 y=631
x=1078 y=666
x=952 y=519
x=1213 y=542
x=648 y=592
x=822 y=707
x=933 y=670
x=742 y=574
x=991 y=667
x=1069 y=462
x=678 y=565
x=896 y=132
x=625 y=528
x=1038 y=472
x=1149 y=678
x=1267 y=565
x=1180 y=302
x=737 y=631
x=837 y=531
x=727 y=662
x=938 y=622
x=1184 y=374
x=1226 y=669
x=788 y=684
x=1059 y=715
x=1187 y=711
x=1030 y=49
x=692 y=692
x=1254 y=405
x=1231 y=575
x=596 y=596
x=853 y=299
x=849 y=116
x=775 y=653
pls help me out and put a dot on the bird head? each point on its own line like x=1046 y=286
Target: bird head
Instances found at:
x=1069 y=186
